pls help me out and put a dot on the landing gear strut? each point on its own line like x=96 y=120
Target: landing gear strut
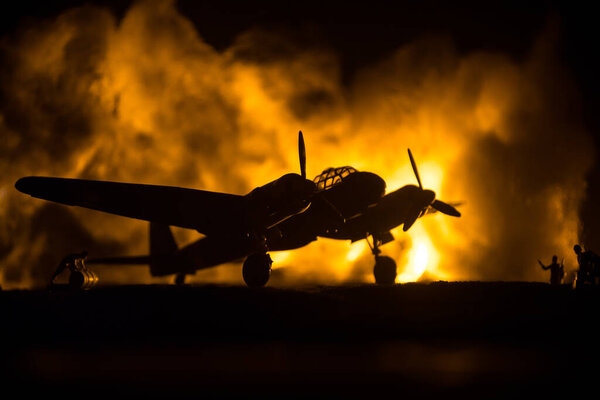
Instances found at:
x=385 y=267
x=257 y=269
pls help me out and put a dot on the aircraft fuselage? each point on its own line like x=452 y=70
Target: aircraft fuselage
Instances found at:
x=351 y=197
x=292 y=227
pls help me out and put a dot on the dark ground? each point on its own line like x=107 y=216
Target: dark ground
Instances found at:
x=497 y=340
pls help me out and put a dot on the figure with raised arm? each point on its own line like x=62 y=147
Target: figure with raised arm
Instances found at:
x=557 y=271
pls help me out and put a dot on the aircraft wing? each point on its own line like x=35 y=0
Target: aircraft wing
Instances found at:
x=207 y=212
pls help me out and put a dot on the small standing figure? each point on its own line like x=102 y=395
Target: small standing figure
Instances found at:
x=557 y=271
x=80 y=276
x=588 y=265
x=70 y=262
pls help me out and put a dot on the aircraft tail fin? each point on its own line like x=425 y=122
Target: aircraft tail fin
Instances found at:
x=162 y=249
x=162 y=242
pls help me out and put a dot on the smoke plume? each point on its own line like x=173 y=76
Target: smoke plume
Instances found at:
x=145 y=99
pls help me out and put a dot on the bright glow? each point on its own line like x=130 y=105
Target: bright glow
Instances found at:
x=417 y=264
x=421 y=257
x=161 y=106
x=356 y=250
x=279 y=258
x=431 y=174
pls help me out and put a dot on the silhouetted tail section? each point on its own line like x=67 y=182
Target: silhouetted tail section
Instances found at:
x=162 y=249
x=163 y=253
x=162 y=242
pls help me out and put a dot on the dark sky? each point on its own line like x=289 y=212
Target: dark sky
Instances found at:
x=361 y=33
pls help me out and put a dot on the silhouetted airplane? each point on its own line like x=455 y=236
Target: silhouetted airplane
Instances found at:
x=285 y=214
x=366 y=218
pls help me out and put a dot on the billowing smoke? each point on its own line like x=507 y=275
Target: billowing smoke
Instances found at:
x=145 y=99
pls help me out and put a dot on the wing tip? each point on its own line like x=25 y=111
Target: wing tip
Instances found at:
x=24 y=184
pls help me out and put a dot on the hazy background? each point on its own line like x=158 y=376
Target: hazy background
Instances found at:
x=496 y=103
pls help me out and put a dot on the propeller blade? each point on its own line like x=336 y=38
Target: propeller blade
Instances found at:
x=411 y=220
x=426 y=198
x=414 y=167
x=445 y=208
x=302 y=153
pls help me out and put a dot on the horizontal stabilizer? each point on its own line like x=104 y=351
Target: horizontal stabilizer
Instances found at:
x=133 y=260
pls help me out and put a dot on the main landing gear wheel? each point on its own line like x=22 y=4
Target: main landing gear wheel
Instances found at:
x=257 y=269
x=385 y=267
x=384 y=270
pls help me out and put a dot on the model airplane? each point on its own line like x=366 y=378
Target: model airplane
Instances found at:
x=285 y=214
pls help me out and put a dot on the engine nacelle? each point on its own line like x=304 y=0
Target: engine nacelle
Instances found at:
x=279 y=200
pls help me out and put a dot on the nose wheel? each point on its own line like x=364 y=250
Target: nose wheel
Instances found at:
x=384 y=270
x=385 y=267
x=257 y=269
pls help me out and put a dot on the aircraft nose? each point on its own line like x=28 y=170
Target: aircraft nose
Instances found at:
x=428 y=196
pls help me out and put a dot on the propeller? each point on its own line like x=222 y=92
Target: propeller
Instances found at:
x=445 y=208
x=302 y=153
x=414 y=167
x=427 y=200
x=333 y=212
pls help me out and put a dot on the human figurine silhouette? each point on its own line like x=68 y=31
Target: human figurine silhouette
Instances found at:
x=72 y=262
x=588 y=266
x=557 y=271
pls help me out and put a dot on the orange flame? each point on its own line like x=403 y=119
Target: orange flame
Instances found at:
x=146 y=100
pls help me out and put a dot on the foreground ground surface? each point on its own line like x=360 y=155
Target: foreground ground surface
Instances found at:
x=494 y=339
